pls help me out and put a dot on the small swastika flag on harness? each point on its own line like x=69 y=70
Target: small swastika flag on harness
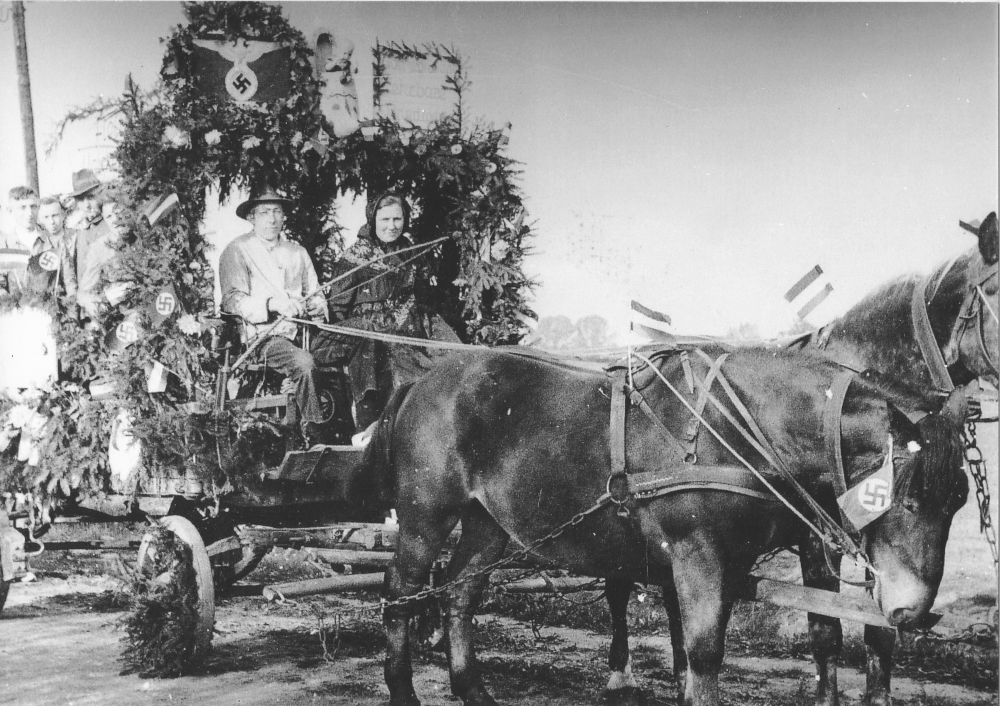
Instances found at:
x=871 y=498
x=243 y=70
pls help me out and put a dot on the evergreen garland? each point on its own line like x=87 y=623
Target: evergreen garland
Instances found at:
x=175 y=139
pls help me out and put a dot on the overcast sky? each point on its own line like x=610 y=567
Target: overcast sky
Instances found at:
x=697 y=157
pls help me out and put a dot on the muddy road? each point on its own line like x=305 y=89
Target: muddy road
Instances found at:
x=59 y=645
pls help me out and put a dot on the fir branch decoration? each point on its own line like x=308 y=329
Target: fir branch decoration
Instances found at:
x=177 y=140
x=159 y=636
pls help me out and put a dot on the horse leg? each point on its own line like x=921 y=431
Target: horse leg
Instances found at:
x=417 y=549
x=825 y=633
x=673 y=609
x=704 y=609
x=483 y=542
x=617 y=592
x=880 y=643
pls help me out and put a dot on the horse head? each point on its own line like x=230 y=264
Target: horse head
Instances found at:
x=974 y=338
x=907 y=544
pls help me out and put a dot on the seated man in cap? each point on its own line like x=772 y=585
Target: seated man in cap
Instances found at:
x=265 y=278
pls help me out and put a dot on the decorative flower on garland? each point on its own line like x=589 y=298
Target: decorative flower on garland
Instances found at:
x=175 y=137
x=213 y=137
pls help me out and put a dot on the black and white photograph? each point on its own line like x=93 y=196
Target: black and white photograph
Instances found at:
x=499 y=353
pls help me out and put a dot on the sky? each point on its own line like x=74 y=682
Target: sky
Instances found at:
x=696 y=157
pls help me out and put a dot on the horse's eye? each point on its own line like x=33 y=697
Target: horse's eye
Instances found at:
x=911 y=505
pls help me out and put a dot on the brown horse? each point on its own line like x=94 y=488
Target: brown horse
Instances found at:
x=515 y=447
x=879 y=334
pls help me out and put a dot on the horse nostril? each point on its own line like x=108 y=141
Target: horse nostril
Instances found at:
x=901 y=617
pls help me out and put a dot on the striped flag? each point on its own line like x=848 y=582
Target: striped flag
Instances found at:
x=159 y=206
x=650 y=323
x=156 y=380
x=809 y=292
x=871 y=498
x=14 y=260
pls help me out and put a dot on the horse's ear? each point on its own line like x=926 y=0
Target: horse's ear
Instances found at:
x=988 y=239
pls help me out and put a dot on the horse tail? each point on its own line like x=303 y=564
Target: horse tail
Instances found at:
x=377 y=462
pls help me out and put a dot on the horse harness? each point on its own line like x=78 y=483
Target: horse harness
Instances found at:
x=970 y=315
x=683 y=473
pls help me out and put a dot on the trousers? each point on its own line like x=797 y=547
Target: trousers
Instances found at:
x=299 y=366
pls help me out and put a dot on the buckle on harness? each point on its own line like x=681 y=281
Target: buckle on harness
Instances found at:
x=618 y=492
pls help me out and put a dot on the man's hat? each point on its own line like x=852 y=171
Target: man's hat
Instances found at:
x=84 y=181
x=265 y=194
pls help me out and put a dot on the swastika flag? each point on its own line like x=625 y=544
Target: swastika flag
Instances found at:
x=163 y=305
x=243 y=70
x=871 y=498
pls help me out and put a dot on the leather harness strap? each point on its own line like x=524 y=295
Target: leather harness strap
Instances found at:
x=924 y=335
x=676 y=448
x=691 y=433
x=832 y=431
x=617 y=428
x=730 y=479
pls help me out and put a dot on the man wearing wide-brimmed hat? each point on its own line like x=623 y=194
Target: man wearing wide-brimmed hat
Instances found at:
x=266 y=278
x=95 y=241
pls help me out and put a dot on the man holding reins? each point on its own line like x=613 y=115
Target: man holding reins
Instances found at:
x=264 y=278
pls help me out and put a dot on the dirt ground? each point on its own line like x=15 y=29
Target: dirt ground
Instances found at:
x=59 y=645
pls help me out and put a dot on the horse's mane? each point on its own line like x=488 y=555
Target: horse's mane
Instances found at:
x=880 y=324
x=937 y=478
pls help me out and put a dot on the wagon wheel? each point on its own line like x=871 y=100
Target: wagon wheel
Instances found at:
x=186 y=533
x=231 y=566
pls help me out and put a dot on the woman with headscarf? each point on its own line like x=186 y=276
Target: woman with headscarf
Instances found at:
x=381 y=297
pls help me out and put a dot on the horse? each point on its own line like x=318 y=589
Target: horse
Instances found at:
x=881 y=333
x=515 y=446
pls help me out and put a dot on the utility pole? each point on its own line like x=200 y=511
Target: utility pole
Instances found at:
x=24 y=91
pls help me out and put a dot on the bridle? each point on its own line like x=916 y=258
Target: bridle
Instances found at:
x=971 y=316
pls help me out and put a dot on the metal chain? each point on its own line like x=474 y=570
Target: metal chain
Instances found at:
x=977 y=467
x=506 y=561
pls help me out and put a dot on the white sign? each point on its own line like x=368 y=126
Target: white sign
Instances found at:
x=416 y=91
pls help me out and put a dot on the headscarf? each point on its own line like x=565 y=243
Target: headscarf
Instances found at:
x=368 y=230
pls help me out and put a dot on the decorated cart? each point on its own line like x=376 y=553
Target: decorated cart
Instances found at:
x=153 y=409
x=155 y=415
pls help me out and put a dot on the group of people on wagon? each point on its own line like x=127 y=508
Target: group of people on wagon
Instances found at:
x=60 y=246
x=269 y=282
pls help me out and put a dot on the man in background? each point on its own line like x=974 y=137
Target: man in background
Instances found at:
x=96 y=243
x=62 y=241
x=17 y=247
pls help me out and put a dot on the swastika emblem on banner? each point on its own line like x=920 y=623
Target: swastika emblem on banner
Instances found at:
x=49 y=261
x=127 y=332
x=165 y=304
x=241 y=82
x=873 y=495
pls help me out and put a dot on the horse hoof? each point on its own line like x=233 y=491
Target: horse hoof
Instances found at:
x=478 y=696
x=407 y=700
